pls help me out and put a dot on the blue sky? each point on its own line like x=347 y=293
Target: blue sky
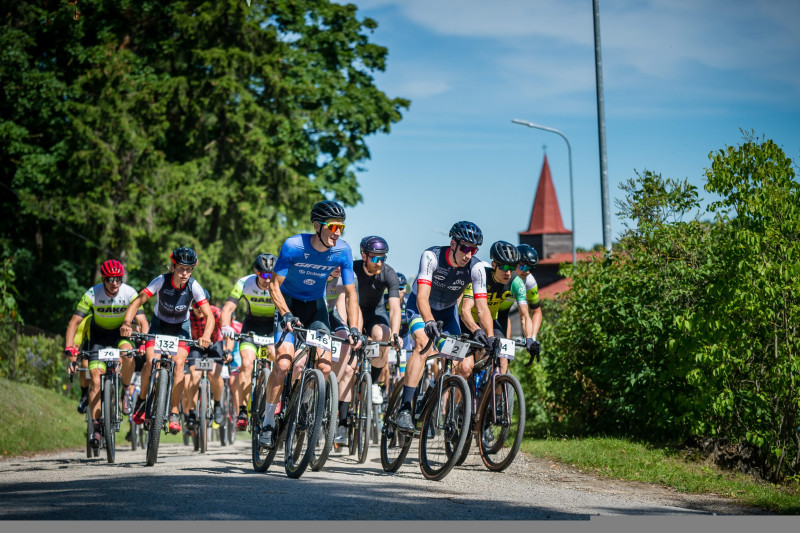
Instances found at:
x=681 y=78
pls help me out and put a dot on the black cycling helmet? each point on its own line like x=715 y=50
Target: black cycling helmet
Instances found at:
x=374 y=245
x=264 y=262
x=528 y=255
x=402 y=279
x=467 y=232
x=505 y=253
x=325 y=210
x=183 y=256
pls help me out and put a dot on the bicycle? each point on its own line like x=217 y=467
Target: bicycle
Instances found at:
x=360 y=416
x=205 y=414
x=442 y=410
x=138 y=435
x=258 y=390
x=110 y=414
x=298 y=423
x=160 y=391
x=497 y=398
x=227 y=430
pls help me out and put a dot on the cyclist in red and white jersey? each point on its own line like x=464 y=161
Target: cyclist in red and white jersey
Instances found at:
x=175 y=291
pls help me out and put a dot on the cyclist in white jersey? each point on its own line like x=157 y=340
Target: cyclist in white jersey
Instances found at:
x=175 y=292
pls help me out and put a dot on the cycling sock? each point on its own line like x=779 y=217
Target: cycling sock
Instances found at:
x=125 y=387
x=84 y=391
x=375 y=374
x=343 y=408
x=408 y=395
x=216 y=404
x=243 y=409
x=269 y=414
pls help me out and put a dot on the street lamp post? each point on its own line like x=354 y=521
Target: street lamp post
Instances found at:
x=569 y=151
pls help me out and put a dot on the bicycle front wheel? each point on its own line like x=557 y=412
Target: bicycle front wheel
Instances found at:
x=445 y=428
x=89 y=433
x=500 y=436
x=304 y=421
x=109 y=414
x=134 y=436
x=363 y=418
x=330 y=419
x=158 y=413
x=262 y=457
x=394 y=443
x=202 y=416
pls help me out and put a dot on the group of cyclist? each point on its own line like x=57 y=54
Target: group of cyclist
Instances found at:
x=314 y=283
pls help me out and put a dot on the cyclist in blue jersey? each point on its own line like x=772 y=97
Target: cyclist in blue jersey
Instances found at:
x=444 y=273
x=298 y=291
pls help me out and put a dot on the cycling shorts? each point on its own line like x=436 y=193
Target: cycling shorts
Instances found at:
x=180 y=329
x=448 y=316
x=312 y=315
x=262 y=327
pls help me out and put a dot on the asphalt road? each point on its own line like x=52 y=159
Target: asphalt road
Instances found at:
x=221 y=484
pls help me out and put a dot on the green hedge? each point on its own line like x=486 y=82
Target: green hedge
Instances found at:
x=690 y=328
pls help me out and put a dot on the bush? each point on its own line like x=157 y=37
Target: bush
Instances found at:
x=690 y=328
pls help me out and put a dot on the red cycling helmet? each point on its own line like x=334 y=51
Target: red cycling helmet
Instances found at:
x=112 y=269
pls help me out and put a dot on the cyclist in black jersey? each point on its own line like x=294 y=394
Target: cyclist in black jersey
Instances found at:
x=373 y=277
x=175 y=291
x=444 y=273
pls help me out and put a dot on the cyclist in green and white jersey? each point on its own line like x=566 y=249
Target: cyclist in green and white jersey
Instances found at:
x=502 y=287
x=107 y=303
x=259 y=319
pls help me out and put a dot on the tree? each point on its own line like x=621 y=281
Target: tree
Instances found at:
x=145 y=125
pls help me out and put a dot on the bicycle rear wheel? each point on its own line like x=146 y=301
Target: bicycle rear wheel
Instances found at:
x=134 y=436
x=202 y=416
x=89 y=433
x=330 y=419
x=500 y=437
x=262 y=457
x=444 y=430
x=363 y=419
x=109 y=414
x=158 y=411
x=394 y=443
x=304 y=422
x=223 y=404
x=377 y=423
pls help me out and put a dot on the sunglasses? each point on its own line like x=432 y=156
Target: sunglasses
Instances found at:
x=115 y=279
x=506 y=268
x=376 y=258
x=401 y=288
x=334 y=226
x=524 y=268
x=468 y=249
x=265 y=275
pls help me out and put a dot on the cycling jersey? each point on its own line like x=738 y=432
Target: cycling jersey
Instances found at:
x=403 y=318
x=306 y=270
x=82 y=333
x=173 y=303
x=333 y=288
x=259 y=302
x=532 y=292
x=371 y=288
x=498 y=295
x=108 y=312
x=447 y=280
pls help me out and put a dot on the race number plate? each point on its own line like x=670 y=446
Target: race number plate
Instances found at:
x=507 y=349
x=322 y=341
x=372 y=351
x=108 y=354
x=393 y=356
x=166 y=344
x=225 y=372
x=403 y=356
x=336 y=351
x=263 y=340
x=203 y=364
x=453 y=349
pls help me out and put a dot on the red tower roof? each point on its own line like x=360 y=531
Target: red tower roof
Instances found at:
x=545 y=215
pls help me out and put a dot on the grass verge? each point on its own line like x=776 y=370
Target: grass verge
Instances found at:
x=34 y=419
x=627 y=460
